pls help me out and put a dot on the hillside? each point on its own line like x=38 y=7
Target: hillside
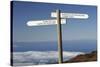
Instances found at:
x=84 y=58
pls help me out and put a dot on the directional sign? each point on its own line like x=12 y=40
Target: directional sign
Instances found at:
x=71 y=15
x=45 y=22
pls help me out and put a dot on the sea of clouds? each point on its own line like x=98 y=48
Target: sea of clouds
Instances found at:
x=40 y=57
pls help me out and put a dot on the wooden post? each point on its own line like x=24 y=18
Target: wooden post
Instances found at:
x=59 y=33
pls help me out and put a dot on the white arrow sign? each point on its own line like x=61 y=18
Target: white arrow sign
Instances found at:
x=71 y=15
x=45 y=22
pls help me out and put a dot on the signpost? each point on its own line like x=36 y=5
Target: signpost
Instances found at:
x=60 y=19
x=71 y=15
x=60 y=49
x=59 y=15
x=45 y=22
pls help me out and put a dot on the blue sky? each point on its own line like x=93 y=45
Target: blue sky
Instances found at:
x=75 y=29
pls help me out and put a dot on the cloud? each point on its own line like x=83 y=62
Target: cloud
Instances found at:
x=40 y=57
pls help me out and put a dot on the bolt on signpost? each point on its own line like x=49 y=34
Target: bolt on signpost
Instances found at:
x=60 y=19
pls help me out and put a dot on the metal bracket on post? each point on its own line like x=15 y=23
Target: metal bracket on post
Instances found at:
x=60 y=50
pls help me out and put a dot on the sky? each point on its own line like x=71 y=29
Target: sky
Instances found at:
x=74 y=29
